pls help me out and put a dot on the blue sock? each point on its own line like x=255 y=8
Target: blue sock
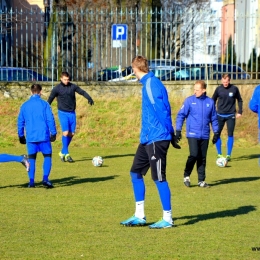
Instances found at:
x=165 y=194
x=46 y=168
x=138 y=186
x=65 y=144
x=10 y=158
x=218 y=146
x=31 y=172
x=230 y=142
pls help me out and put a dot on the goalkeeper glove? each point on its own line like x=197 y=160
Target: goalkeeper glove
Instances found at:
x=53 y=138
x=174 y=142
x=22 y=139
x=178 y=136
x=215 y=138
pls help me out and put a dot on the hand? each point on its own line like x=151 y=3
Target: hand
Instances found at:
x=90 y=101
x=53 y=138
x=178 y=136
x=174 y=142
x=215 y=138
x=22 y=139
x=238 y=115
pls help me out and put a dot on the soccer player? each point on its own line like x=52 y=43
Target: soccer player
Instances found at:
x=37 y=120
x=65 y=93
x=254 y=106
x=156 y=134
x=199 y=111
x=15 y=158
x=226 y=95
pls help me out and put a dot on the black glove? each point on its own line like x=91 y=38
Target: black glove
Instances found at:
x=90 y=101
x=22 y=139
x=53 y=138
x=215 y=138
x=178 y=136
x=174 y=142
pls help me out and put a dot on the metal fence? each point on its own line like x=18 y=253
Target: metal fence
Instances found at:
x=84 y=42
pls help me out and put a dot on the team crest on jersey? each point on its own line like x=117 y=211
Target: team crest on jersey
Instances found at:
x=230 y=94
x=207 y=105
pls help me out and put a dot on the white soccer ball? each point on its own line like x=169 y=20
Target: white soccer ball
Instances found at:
x=222 y=162
x=97 y=161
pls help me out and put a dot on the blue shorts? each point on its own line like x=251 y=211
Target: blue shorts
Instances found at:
x=44 y=147
x=67 y=121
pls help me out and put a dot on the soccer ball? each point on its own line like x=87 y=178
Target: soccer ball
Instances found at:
x=222 y=162
x=97 y=161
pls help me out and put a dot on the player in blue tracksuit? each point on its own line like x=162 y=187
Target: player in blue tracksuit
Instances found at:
x=36 y=119
x=156 y=134
x=254 y=106
x=199 y=112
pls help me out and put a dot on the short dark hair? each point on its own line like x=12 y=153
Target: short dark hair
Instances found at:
x=36 y=88
x=141 y=63
x=65 y=74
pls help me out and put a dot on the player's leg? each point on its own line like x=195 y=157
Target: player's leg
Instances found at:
x=16 y=158
x=32 y=149
x=221 y=123
x=192 y=158
x=64 y=123
x=231 y=122
x=139 y=168
x=46 y=149
x=71 y=132
x=157 y=153
x=201 y=163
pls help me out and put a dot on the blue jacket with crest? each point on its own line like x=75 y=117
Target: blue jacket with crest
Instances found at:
x=199 y=113
x=156 y=111
x=37 y=119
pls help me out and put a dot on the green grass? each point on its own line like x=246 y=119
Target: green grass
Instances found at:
x=79 y=218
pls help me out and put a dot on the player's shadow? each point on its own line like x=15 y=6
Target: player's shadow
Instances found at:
x=74 y=180
x=246 y=157
x=68 y=181
x=234 y=180
x=117 y=155
x=83 y=159
x=218 y=214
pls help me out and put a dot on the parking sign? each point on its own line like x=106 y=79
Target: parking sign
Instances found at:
x=119 y=35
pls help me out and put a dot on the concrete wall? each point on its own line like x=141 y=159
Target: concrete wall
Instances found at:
x=15 y=90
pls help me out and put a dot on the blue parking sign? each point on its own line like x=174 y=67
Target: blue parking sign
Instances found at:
x=119 y=32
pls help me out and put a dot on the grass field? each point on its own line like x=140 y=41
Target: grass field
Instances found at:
x=79 y=218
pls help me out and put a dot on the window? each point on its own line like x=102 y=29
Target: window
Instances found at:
x=209 y=49
x=212 y=30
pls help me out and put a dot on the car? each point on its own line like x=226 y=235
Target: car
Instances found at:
x=165 y=63
x=21 y=74
x=160 y=67
x=113 y=73
x=205 y=71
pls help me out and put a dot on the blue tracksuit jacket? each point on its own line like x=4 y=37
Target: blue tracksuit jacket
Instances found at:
x=254 y=103
x=36 y=119
x=156 y=111
x=200 y=112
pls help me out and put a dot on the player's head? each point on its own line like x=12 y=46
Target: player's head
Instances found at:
x=36 y=89
x=65 y=78
x=140 y=66
x=225 y=80
x=199 y=88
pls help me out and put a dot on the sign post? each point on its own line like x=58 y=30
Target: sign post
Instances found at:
x=119 y=40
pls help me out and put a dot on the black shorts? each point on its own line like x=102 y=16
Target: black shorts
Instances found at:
x=154 y=156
